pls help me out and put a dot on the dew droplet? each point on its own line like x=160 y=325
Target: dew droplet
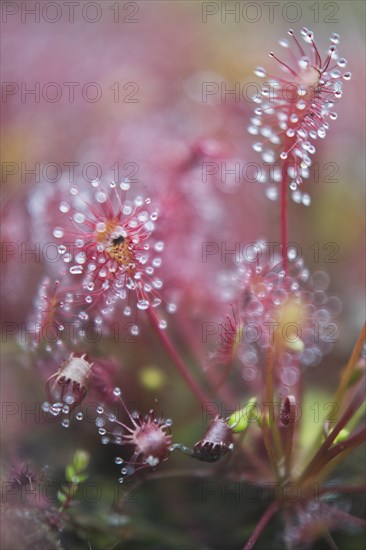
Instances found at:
x=46 y=406
x=127 y=209
x=296 y=196
x=336 y=73
x=306 y=200
x=335 y=38
x=157 y=283
x=279 y=296
x=139 y=200
x=127 y=311
x=125 y=185
x=292 y=254
x=76 y=269
x=253 y=130
x=268 y=156
x=260 y=72
x=64 y=207
x=79 y=217
x=80 y=258
x=58 y=232
x=99 y=422
x=101 y=227
x=272 y=193
x=301 y=105
x=100 y=197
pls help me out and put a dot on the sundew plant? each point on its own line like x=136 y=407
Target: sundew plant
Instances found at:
x=180 y=371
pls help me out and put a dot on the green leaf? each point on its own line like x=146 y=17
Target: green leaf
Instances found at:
x=83 y=477
x=70 y=473
x=61 y=497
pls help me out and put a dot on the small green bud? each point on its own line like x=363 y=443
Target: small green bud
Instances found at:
x=239 y=420
x=152 y=378
x=297 y=345
x=343 y=434
x=80 y=461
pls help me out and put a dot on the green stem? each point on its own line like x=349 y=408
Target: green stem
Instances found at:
x=322 y=455
x=350 y=367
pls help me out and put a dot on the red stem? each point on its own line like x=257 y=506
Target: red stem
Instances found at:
x=271 y=510
x=353 y=441
x=344 y=517
x=224 y=392
x=330 y=541
x=172 y=352
x=284 y=215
